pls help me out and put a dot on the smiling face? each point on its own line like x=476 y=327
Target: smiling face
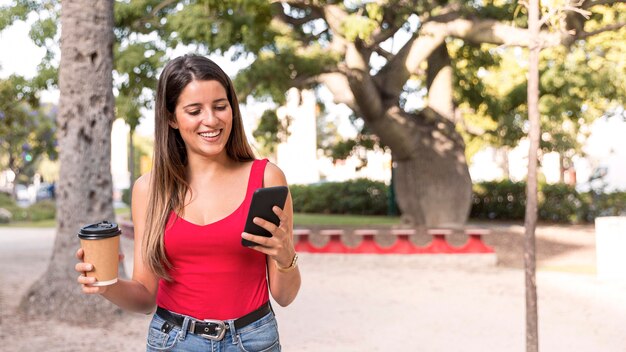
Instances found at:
x=204 y=117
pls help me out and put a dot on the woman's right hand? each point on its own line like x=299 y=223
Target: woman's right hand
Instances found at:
x=85 y=280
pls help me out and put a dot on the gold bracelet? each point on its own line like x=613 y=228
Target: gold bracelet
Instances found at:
x=292 y=266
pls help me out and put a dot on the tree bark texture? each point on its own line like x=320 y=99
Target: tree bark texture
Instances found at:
x=84 y=123
x=530 y=222
x=433 y=185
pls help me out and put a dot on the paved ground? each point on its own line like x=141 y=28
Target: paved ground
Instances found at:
x=379 y=303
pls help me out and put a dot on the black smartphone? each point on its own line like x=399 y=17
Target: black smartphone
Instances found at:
x=263 y=200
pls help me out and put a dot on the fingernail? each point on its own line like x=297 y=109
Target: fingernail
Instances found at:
x=89 y=267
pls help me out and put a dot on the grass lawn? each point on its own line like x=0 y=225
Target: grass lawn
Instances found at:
x=37 y=224
x=52 y=222
x=299 y=220
x=344 y=220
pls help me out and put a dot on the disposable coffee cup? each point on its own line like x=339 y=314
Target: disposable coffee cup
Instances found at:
x=101 y=243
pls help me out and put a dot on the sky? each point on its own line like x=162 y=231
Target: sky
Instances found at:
x=18 y=54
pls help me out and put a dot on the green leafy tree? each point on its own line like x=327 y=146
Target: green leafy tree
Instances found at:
x=579 y=82
x=345 y=46
x=377 y=58
x=26 y=128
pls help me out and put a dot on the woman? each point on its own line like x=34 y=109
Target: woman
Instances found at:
x=189 y=214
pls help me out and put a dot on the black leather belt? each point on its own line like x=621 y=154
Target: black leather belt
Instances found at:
x=210 y=329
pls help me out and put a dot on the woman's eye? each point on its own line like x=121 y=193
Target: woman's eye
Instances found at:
x=194 y=113
x=221 y=107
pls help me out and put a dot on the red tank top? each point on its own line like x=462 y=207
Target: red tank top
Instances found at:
x=213 y=275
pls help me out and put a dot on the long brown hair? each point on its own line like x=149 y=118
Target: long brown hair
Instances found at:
x=168 y=182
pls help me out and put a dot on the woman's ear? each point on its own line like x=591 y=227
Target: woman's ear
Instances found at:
x=173 y=124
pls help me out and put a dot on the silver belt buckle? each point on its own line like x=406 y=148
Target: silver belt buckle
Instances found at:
x=220 y=329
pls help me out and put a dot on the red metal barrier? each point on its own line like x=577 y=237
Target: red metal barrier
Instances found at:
x=301 y=240
x=475 y=243
x=367 y=245
x=402 y=244
x=439 y=244
x=335 y=244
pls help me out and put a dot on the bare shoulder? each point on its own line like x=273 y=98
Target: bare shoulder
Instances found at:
x=274 y=176
x=141 y=187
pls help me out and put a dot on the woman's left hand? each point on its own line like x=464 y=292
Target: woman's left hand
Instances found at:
x=278 y=247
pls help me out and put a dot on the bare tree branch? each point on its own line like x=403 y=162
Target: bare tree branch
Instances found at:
x=361 y=83
x=392 y=77
x=384 y=53
x=562 y=12
x=296 y=22
x=492 y=32
x=316 y=13
x=611 y=27
x=334 y=16
x=381 y=35
x=161 y=6
x=338 y=84
x=589 y=4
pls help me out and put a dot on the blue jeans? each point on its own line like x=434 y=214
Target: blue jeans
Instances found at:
x=262 y=335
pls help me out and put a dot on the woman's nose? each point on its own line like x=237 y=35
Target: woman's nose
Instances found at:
x=208 y=118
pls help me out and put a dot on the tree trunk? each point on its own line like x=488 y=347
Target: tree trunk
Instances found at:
x=530 y=221
x=84 y=193
x=433 y=185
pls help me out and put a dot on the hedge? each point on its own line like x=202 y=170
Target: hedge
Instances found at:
x=43 y=210
x=503 y=200
x=360 y=197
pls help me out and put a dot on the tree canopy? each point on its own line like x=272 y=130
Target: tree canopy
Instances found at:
x=424 y=77
x=298 y=43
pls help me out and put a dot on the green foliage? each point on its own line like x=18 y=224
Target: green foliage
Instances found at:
x=137 y=62
x=219 y=25
x=495 y=200
x=43 y=210
x=562 y=203
x=17 y=11
x=579 y=83
x=26 y=129
x=6 y=200
x=269 y=132
x=126 y=195
x=277 y=68
x=5 y=216
x=359 y=197
x=499 y=10
x=605 y=204
x=356 y=26
x=505 y=200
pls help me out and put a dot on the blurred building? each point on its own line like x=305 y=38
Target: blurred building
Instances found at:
x=119 y=158
x=302 y=162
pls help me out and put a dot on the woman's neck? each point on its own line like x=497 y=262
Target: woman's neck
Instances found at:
x=205 y=167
